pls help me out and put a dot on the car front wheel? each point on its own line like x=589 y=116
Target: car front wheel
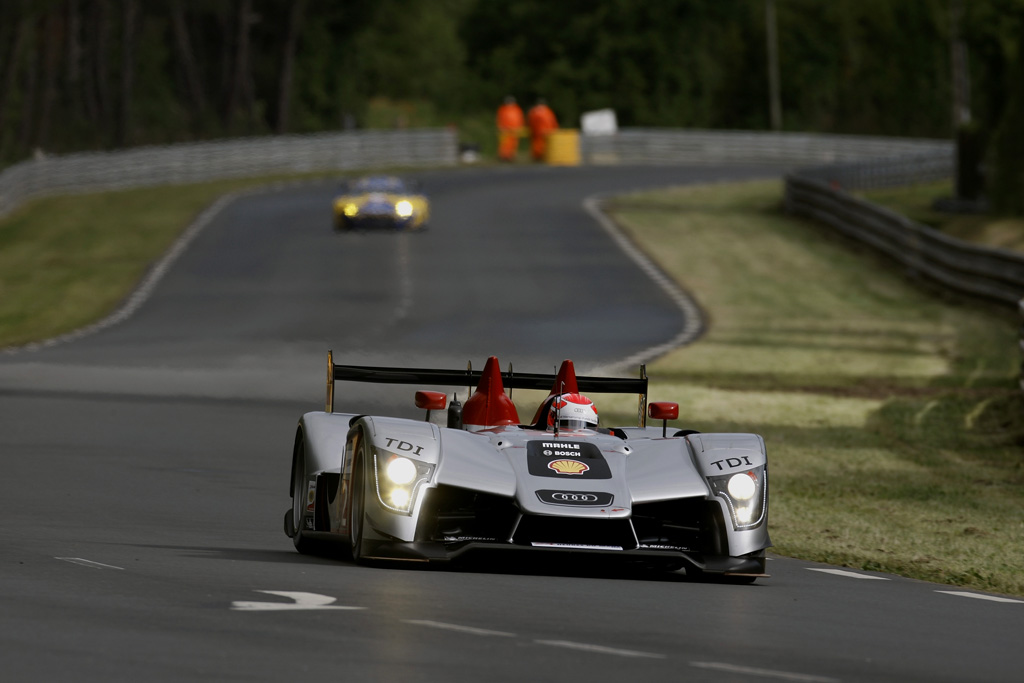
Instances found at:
x=300 y=490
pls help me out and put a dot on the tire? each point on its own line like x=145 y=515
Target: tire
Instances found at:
x=303 y=544
x=357 y=510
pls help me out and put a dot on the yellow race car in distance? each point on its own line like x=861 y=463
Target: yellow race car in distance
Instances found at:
x=379 y=201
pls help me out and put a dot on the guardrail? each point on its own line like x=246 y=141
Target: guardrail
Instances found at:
x=205 y=161
x=674 y=146
x=822 y=193
x=918 y=166
x=987 y=272
x=996 y=274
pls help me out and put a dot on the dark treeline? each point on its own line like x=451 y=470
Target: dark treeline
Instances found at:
x=99 y=74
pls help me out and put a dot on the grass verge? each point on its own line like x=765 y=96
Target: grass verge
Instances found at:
x=68 y=261
x=892 y=416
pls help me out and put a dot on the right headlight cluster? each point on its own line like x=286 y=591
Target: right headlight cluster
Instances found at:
x=744 y=494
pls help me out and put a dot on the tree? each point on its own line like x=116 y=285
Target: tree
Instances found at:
x=1006 y=186
x=128 y=33
x=187 y=61
x=295 y=15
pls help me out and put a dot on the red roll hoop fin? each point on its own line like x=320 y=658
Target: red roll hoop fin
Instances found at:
x=565 y=383
x=489 y=406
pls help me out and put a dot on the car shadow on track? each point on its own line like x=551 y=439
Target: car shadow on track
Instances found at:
x=555 y=567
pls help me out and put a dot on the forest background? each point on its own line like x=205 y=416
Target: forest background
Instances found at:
x=102 y=74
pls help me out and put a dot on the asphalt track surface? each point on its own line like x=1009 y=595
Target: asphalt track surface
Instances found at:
x=145 y=472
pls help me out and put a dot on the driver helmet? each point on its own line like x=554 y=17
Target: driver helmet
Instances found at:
x=573 y=411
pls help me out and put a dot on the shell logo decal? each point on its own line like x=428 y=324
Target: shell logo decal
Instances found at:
x=568 y=466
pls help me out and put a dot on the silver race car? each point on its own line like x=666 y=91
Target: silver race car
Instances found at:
x=473 y=480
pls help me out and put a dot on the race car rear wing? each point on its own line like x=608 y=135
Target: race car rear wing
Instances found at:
x=470 y=378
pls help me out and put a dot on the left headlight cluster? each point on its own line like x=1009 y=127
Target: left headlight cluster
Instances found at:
x=398 y=478
x=744 y=493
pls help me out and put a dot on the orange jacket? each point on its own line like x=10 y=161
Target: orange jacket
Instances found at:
x=510 y=117
x=542 y=120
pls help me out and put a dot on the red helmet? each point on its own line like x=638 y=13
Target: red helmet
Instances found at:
x=573 y=411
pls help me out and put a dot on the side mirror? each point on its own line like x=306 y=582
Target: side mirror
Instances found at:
x=664 y=411
x=431 y=400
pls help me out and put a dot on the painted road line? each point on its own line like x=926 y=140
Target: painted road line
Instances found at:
x=599 y=649
x=456 y=627
x=764 y=673
x=979 y=596
x=88 y=563
x=693 y=321
x=851 y=575
x=303 y=601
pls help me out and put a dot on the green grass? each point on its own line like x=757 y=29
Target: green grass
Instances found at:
x=892 y=417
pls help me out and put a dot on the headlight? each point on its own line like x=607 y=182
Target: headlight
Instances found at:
x=742 y=486
x=350 y=210
x=400 y=471
x=404 y=208
x=398 y=479
x=744 y=494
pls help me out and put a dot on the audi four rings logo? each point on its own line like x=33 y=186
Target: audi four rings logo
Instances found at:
x=563 y=497
x=584 y=498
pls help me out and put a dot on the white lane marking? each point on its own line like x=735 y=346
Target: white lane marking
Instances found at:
x=851 y=575
x=599 y=649
x=693 y=321
x=406 y=286
x=979 y=596
x=405 y=283
x=303 y=601
x=88 y=563
x=764 y=673
x=456 y=627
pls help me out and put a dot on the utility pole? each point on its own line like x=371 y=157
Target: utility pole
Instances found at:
x=961 y=77
x=970 y=179
x=775 y=102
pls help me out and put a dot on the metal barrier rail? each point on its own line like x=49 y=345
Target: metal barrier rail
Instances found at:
x=988 y=272
x=887 y=170
x=996 y=274
x=673 y=146
x=205 y=161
